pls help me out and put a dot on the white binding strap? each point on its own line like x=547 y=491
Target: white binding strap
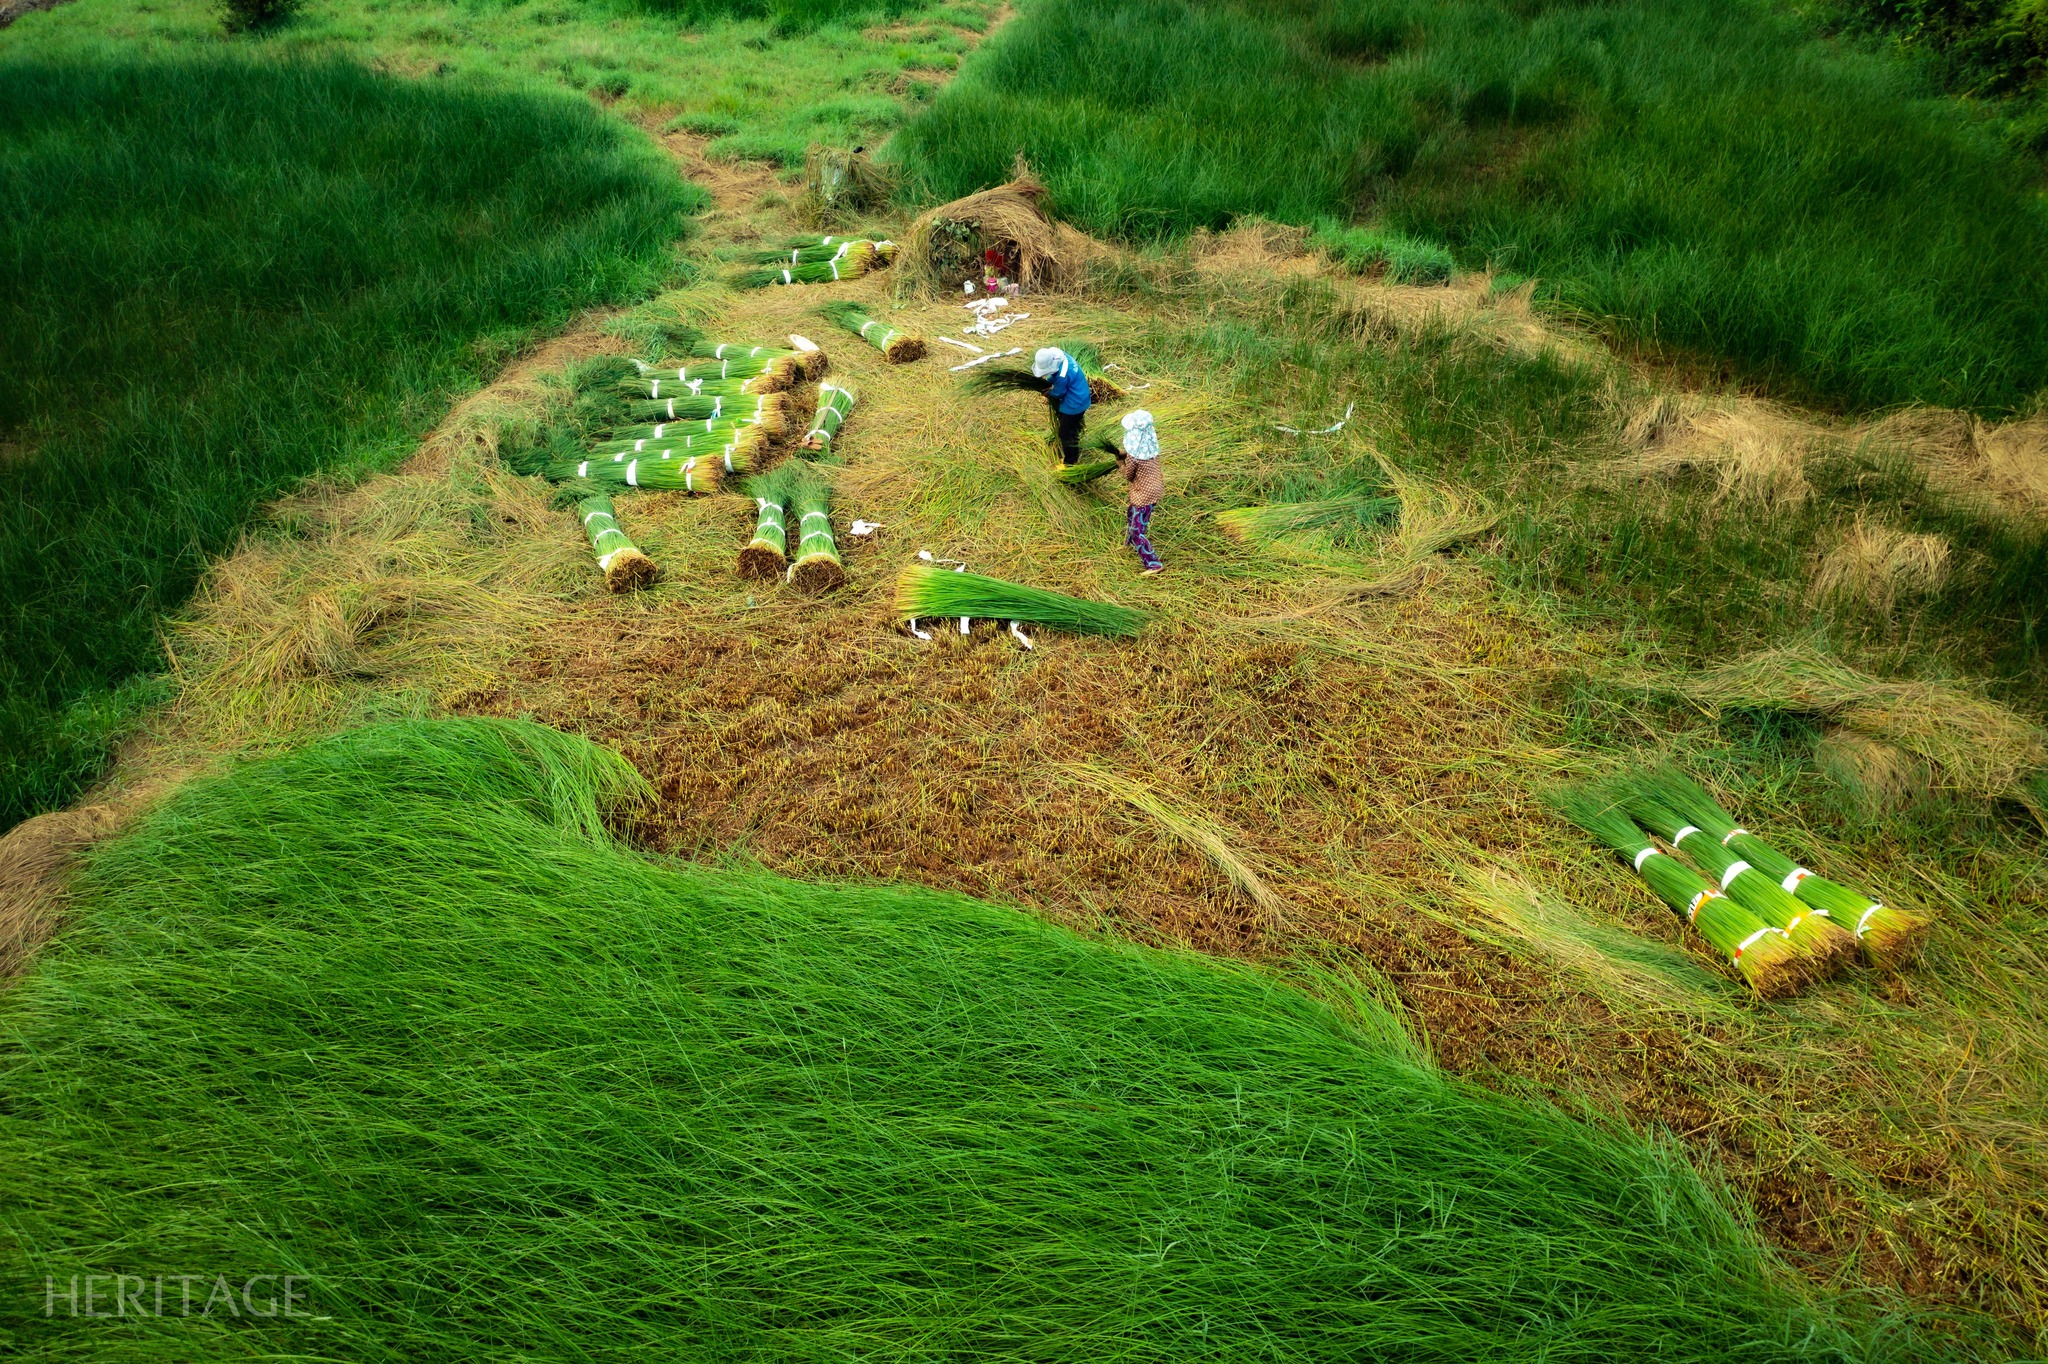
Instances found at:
x=1731 y=834
x=1793 y=878
x=1681 y=835
x=1734 y=870
x=820 y=515
x=1692 y=911
x=588 y=518
x=1644 y=856
x=1747 y=942
x=583 y=469
x=1866 y=918
x=604 y=561
x=633 y=474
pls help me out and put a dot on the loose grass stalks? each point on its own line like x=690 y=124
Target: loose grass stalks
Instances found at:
x=1888 y=935
x=455 y=1038
x=815 y=567
x=767 y=554
x=835 y=404
x=895 y=345
x=848 y=261
x=1078 y=475
x=1812 y=929
x=767 y=410
x=618 y=558
x=993 y=379
x=924 y=591
x=1765 y=956
x=1277 y=520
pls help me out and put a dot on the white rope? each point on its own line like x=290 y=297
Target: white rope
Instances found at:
x=1734 y=870
x=1860 y=923
x=1747 y=942
x=1679 y=837
x=1325 y=431
x=1793 y=878
x=1644 y=856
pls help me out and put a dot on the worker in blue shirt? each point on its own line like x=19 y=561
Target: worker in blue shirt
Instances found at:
x=1068 y=393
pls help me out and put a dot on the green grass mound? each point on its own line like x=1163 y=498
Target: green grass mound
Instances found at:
x=1704 y=177
x=219 y=276
x=392 y=1014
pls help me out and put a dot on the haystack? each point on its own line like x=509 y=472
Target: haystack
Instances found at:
x=946 y=245
x=841 y=184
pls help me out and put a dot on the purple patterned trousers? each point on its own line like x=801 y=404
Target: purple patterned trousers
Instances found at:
x=1137 y=534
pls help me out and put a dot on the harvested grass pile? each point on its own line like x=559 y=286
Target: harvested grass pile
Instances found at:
x=762 y=409
x=842 y=183
x=766 y=555
x=924 y=592
x=1755 y=451
x=1764 y=955
x=948 y=243
x=835 y=404
x=815 y=567
x=473 y=1071
x=737 y=448
x=1878 y=565
x=804 y=360
x=731 y=377
x=1340 y=517
x=895 y=345
x=1980 y=748
x=849 y=258
x=1887 y=936
x=618 y=558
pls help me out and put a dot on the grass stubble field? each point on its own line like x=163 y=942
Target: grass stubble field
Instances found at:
x=1592 y=569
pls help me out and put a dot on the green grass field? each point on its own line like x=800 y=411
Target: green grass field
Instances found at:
x=495 y=1087
x=1703 y=180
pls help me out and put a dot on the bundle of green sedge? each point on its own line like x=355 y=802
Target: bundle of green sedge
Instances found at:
x=663 y=470
x=815 y=566
x=765 y=410
x=896 y=346
x=707 y=379
x=848 y=260
x=1887 y=935
x=923 y=591
x=618 y=558
x=1815 y=933
x=767 y=554
x=835 y=402
x=1763 y=955
x=801 y=357
x=1277 y=521
x=1083 y=472
x=739 y=446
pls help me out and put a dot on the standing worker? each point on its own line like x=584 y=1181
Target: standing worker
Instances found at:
x=1067 y=391
x=1140 y=464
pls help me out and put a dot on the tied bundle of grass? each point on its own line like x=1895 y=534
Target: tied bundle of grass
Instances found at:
x=765 y=410
x=1276 y=521
x=1101 y=388
x=667 y=385
x=658 y=470
x=924 y=591
x=815 y=566
x=739 y=446
x=618 y=558
x=1812 y=931
x=1888 y=936
x=896 y=345
x=835 y=402
x=804 y=360
x=1079 y=475
x=850 y=260
x=769 y=372
x=1764 y=956
x=767 y=554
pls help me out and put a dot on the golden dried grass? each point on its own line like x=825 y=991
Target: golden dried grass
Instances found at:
x=1010 y=216
x=1877 y=566
x=1755 y=451
x=1878 y=778
x=36 y=856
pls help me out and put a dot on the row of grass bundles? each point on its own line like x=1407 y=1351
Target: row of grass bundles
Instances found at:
x=1763 y=955
x=895 y=345
x=618 y=558
x=736 y=374
x=1886 y=934
x=835 y=403
x=815 y=566
x=656 y=470
x=927 y=592
x=802 y=357
x=766 y=410
x=850 y=260
x=1812 y=930
x=766 y=555
x=740 y=445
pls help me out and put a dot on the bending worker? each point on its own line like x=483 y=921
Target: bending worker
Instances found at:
x=1068 y=393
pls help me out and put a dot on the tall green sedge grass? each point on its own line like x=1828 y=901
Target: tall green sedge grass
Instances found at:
x=1702 y=177
x=923 y=591
x=217 y=277
x=391 y=1013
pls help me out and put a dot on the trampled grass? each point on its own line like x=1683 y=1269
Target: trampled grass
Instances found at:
x=217 y=277
x=1699 y=178
x=494 y=1086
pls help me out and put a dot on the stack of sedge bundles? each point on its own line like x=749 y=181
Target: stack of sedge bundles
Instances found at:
x=740 y=447
x=766 y=410
x=848 y=258
x=802 y=358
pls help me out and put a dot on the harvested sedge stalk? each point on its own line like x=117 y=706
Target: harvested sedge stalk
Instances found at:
x=848 y=261
x=740 y=446
x=1078 y=474
x=769 y=370
x=1765 y=956
x=1814 y=930
x=835 y=402
x=895 y=345
x=767 y=411
x=670 y=387
x=923 y=590
x=623 y=565
x=662 y=470
x=816 y=566
x=767 y=554
x=1277 y=520
x=1888 y=936
x=803 y=358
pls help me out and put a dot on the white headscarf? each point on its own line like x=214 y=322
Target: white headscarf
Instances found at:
x=1048 y=362
x=1141 y=438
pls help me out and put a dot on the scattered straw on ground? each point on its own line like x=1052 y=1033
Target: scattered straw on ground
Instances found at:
x=35 y=859
x=1879 y=565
